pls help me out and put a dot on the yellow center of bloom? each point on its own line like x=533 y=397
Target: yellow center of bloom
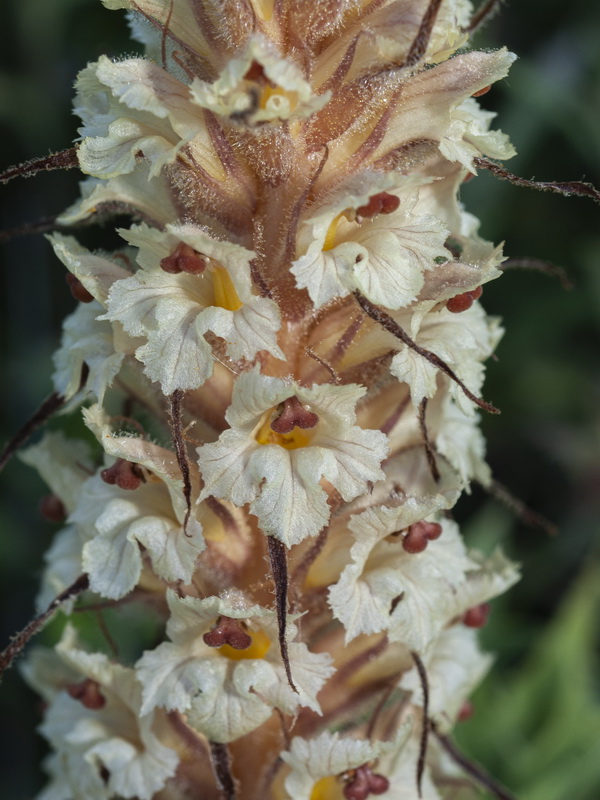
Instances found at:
x=258 y=649
x=329 y=243
x=328 y=788
x=296 y=438
x=225 y=294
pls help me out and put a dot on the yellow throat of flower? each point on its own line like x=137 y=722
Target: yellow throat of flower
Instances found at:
x=225 y=294
x=328 y=788
x=258 y=649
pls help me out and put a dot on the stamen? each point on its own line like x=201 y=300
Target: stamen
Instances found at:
x=477 y=616
x=88 y=693
x=419 y=534
x=365 y=782
x=230 y=632
x=124 y=474
x=183 y=259
x=382 y=203
x=77 y=289
x=461 y=302
x=294 y=415
x=52 y=508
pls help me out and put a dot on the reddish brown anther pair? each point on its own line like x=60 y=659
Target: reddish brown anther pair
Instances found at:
x=228 y=631
x=52 y=508
x=477 y=616
x=382 y=203
x=123 y=474
x=294 y=415
x=77 y=289
x=419 y=535
x=461 y=302
x=365 y=782
x=88 y=693
x=183 y=259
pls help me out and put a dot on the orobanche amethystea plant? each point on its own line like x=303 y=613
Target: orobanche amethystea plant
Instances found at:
x=282 y=364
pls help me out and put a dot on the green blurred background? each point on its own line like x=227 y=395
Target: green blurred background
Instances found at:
x=537 y=718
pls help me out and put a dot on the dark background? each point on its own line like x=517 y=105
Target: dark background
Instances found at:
x=537 y=718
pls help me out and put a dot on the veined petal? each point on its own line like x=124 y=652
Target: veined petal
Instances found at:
x=469 y=137
x=96 y=273
x=63 y=567
x=134 y=191
x=143 y=109
x=455 y=666
x=251 y=462
x=223 y=465
x=382 y=571
x=460 y=441
x=291 y=504
x=226 y=696
x=228 y=705
x=90 y=341
x=174 y=311
x=62 y=463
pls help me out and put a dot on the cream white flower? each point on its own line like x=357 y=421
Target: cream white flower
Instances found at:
x=259 y=86
x=319 y=764
x=455 y=666
x=135 y=192
x=65 y=465
x=90 y=342
x=104 y=748
x=174 y=311
x=228 y=689
x=412 y=595
x=383 y=255
x=462 y=340
x=469 y=137
x=117 y=522
x=386 y=588
x=279 y=473
x=461 y=442
x=131 y=107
